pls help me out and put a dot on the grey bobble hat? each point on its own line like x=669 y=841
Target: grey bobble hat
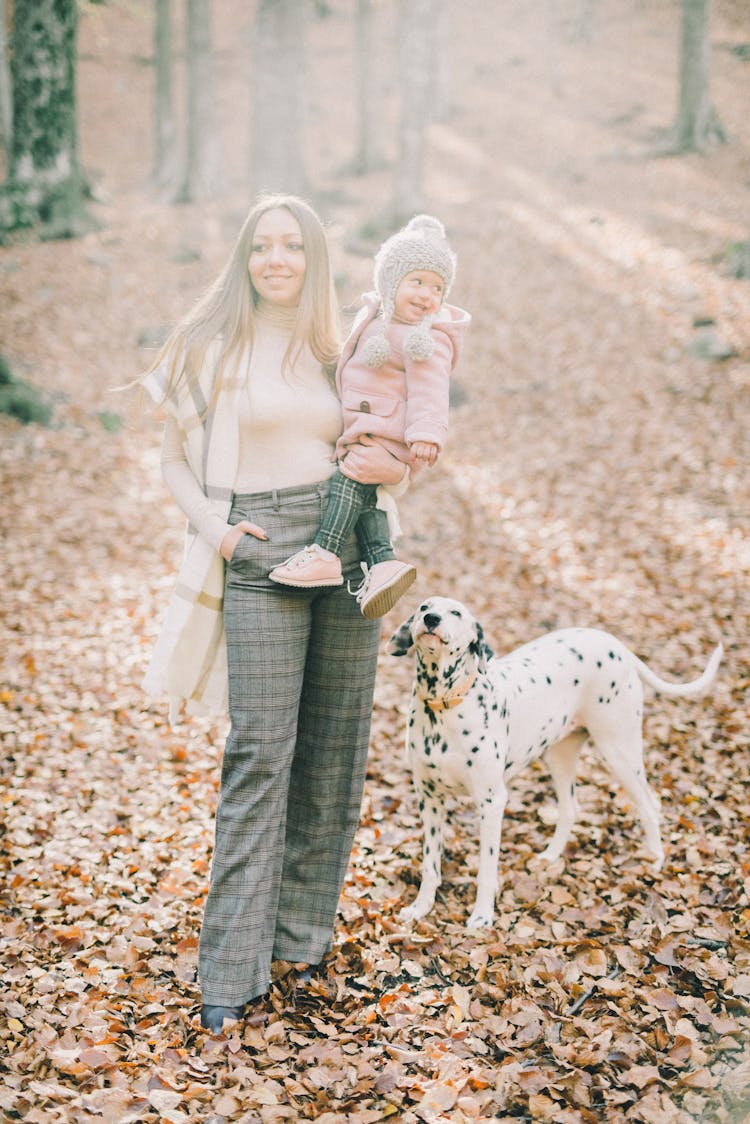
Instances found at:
x=421 y=244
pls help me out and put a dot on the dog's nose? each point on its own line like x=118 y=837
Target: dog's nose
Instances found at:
x=432 y=620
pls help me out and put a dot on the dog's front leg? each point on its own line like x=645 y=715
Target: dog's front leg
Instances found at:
x=432 y=809
x=491 y=812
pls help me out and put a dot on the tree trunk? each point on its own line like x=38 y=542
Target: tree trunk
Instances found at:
x=201 y=177
x=6 y=97
x=442 y=63
x=697 y=123
x=277 y=158
x=369 y=152
x=417 y=28
x=166 y=157
x=45 y=184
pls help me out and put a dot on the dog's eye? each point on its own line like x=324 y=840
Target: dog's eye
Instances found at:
x=455 y=613
x=422 y=608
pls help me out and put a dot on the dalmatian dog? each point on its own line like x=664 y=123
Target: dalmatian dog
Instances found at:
x=475 y=721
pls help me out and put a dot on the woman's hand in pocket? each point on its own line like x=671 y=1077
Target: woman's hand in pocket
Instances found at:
x=231 y=538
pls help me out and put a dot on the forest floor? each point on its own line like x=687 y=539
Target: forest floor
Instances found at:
x=596 y=475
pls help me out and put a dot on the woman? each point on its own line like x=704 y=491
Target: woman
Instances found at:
x=253 y=419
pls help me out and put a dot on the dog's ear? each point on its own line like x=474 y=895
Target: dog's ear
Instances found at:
x=402 y=641
x=480 y=648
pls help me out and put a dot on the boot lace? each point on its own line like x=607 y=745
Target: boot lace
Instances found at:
x=361 y=591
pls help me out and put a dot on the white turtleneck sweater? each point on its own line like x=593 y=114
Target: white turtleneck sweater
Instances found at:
x=289 y=422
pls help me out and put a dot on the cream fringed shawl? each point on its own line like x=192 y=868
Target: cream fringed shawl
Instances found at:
x=189 y=660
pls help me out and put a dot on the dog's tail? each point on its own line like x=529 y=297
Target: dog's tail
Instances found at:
x=686 y=690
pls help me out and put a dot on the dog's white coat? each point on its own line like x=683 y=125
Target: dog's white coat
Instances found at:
x=548 y=697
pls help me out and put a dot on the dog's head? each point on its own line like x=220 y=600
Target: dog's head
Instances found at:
x=440 y=628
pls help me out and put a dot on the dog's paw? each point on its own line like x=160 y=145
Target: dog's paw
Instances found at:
x=411 y=913
x=480 y=920
x=657 y=863
x=548 y=856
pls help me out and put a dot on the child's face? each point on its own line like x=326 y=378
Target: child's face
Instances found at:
x=419 y=294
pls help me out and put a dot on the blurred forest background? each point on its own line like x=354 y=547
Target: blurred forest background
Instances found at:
x=591 y=162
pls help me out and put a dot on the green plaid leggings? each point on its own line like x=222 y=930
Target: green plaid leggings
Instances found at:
x=352 y=506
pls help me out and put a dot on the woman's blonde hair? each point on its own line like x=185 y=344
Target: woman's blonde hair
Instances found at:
x=226 y=311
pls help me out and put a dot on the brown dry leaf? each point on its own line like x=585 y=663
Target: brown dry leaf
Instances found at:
x=436 y=1101
x=592 y=961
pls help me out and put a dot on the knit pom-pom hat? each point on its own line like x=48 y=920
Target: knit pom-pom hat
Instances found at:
x=420 y=245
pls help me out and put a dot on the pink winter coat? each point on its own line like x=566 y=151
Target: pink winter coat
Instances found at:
x=404 y=400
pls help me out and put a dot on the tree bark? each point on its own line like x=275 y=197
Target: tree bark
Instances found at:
x=442 y=68
x=166 y=156
x=369 y=154
x=417 y=29
x=697 y=123
x=201 y=176
x=45 y=185
x=6 y=96
x=277 y=150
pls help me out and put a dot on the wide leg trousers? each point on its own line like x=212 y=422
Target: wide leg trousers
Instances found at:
x=301 y=679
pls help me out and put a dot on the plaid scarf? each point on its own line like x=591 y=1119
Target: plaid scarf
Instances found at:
x=189 y=660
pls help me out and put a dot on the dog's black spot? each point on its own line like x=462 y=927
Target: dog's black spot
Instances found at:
x=475 y=749
x=611 y=655
x=549 y=680
x=576 y=682
x=427 y=750
x=433 y=829
x=598 y=663
x=444 y=747
x=469 y=762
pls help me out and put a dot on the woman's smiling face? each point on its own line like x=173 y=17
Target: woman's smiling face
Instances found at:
x=277 y=258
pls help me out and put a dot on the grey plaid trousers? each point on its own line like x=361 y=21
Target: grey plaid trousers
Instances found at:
x=301 y=680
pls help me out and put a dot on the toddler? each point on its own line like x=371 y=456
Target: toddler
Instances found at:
x=392 y=379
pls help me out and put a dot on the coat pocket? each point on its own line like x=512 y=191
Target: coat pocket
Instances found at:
x=363 y=402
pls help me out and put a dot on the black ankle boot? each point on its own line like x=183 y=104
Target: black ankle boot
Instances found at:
x=212 y=1018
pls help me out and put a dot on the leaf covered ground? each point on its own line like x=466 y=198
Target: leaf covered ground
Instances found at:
x=596 y=474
